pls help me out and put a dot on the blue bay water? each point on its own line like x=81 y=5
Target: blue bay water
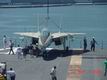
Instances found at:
x=89 y=19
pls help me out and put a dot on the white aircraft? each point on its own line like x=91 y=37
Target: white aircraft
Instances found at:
x=44 y=38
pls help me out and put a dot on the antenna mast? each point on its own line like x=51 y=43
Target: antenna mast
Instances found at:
x=38 y=22
x=47 y=16
x=47 y=9
x=60 y=24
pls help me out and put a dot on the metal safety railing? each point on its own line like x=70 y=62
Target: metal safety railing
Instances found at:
x=22 y=41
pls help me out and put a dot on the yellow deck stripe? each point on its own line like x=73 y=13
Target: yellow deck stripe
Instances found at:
x=74 y=67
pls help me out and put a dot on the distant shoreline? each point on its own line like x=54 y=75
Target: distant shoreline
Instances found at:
x=32 y=6
x=50 y=5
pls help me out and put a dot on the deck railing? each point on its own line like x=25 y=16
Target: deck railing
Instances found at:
x=79 y=44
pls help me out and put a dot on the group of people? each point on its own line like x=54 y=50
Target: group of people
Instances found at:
x=93 y=42
x=6 y=74
x=11 y=74
x=32 y=50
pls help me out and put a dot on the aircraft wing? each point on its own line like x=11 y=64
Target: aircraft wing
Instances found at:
x=29 y=34
x=61 y=34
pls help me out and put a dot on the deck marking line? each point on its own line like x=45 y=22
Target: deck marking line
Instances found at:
x=74 y=70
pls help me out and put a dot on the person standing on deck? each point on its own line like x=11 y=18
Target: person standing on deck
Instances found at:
x=25 y=51
x=4 y=41
x=53 y=73
x=11 y=74
x=31 y=50
x=11 y=47
x=85 y=43
x=19 y=52
x=93 y=42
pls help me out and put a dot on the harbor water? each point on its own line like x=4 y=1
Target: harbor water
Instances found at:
x=89 y=19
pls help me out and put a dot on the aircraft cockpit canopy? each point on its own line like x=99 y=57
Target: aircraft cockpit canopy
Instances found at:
x=45 y=32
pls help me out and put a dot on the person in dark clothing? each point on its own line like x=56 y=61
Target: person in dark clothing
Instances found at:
x=11 y=47
x=31 y=50
x=25 y=51
x=85 y=43
x=67 y=48
x=93 y=42
x=37 y=51
x=34 y=50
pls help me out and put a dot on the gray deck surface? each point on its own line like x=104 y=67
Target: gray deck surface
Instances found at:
x=36 y=68
x=93 y=65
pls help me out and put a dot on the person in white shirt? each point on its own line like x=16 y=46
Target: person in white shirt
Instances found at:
x=4 y=41
x=19 y=52
x=53 y=73
x=11 y=74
